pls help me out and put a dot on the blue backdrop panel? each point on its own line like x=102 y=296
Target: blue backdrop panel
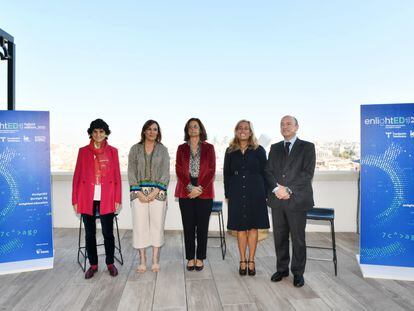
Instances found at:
x=25 y=208
x=387 y=185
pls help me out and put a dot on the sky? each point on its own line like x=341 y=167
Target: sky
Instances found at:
x=221 y=61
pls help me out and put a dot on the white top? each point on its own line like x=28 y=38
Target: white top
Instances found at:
x=97 y=193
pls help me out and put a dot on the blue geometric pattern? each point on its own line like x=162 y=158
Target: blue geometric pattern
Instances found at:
x=388 y=164
x=390 y=250
x=5 y=171
x=10 y=246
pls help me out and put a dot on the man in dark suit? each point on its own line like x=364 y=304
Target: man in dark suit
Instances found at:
x=289 y=172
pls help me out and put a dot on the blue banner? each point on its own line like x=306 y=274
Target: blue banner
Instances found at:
x=387 y=185
x=25 y=203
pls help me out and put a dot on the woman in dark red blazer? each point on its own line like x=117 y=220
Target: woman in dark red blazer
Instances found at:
x=96 y=190
x=195 y=167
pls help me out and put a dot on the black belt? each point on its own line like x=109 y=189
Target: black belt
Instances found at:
x=243 y=173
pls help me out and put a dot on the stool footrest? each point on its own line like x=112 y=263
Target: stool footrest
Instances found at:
x=319 y=259
x=319 y=247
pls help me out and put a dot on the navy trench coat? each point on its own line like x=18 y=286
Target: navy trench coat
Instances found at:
x=245 y=189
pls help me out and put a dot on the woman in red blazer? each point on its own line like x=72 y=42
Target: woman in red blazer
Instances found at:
x=195 y=167
x=96 y=190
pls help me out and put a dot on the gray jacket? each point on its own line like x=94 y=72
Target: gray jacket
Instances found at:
x=160 y=166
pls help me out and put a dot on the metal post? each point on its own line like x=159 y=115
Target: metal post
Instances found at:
x=358 y=215
x=11 y=77
x=7 y=41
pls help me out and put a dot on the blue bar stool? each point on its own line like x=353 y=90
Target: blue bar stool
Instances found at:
x=218 y=210
x=326 y=214
x=82 y=248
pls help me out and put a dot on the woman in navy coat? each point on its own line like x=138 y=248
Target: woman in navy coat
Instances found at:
x=245 y=192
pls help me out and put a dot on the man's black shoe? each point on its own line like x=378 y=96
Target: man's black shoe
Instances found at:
x=298 y=281
x=278 y=276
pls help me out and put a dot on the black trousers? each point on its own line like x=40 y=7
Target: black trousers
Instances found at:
x=293 y=223
x=107 y=223
x=195 y=214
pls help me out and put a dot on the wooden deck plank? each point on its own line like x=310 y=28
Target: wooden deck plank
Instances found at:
x=229 y=284
x=170 y=286
x=137 y=296
x=202 y=295
x=335 y=297
x=309 y=304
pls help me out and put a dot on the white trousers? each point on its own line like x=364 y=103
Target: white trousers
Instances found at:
x=148 y=221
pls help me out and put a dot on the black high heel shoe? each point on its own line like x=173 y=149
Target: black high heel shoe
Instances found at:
x=251 y=272
x=199 y=268
x=190 y=267
x=241 y=270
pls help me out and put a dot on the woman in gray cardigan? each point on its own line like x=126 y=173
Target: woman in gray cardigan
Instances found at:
x=148 y=175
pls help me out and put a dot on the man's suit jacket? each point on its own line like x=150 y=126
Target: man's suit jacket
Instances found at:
x=296 y=172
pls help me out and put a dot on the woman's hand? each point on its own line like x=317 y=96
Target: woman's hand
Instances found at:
x=195 y=192
x=75 y=208
x=141 y=197
x=151 y=197
x=117 y=207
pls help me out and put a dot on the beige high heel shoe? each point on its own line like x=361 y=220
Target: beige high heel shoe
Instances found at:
x=142 y=267
x=155 y=267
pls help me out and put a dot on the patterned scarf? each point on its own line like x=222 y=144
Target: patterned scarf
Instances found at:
x=101 y=160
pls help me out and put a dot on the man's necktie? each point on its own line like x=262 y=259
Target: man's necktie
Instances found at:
x=287 y=144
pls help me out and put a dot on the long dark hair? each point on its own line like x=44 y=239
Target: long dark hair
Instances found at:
x=146 y=127
x=203 y=133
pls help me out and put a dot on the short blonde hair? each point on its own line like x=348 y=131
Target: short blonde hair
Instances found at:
x=235 y=143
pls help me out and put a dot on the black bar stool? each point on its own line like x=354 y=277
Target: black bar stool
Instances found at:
x=82 y=248
x=326 y=214
x=218 y=210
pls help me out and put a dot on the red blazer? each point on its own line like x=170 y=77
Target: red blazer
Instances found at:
x=207 y=170
x=83 y=186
